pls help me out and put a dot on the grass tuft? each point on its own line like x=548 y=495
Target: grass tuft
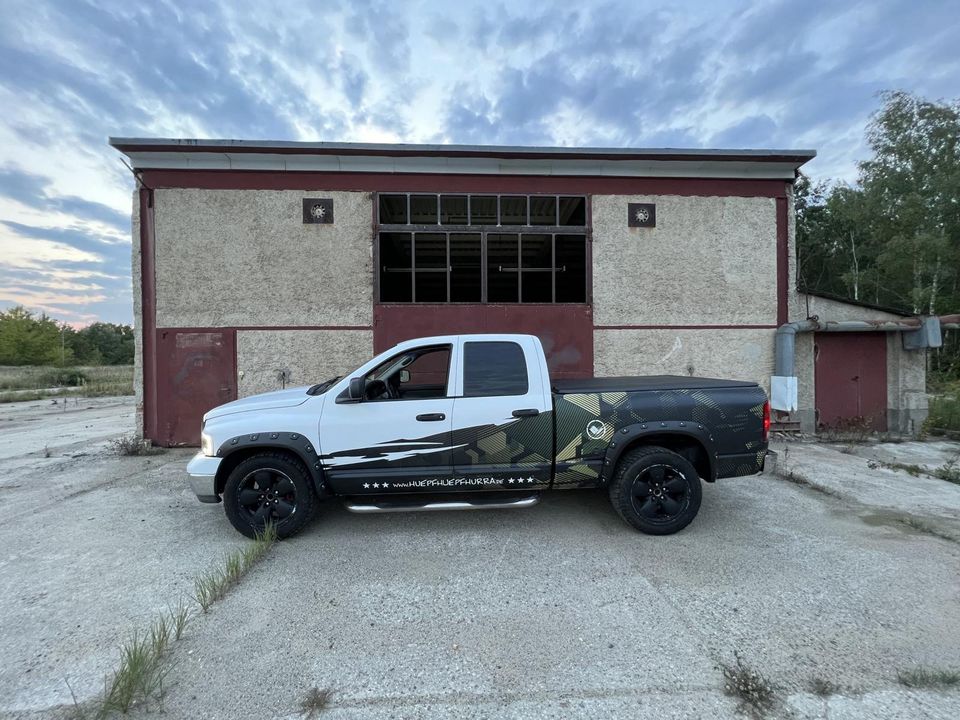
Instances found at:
x=756 y=693
x=824 y=688
x=922 y=677
x=316 y=702
x=213 y=585
x=131 y=445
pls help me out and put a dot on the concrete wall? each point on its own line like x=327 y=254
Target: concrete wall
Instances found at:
x=709 y=261
x=235 y=258
x=311 y=355
x=737 y=354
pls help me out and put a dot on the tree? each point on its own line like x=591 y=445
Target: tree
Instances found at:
x=29 y=340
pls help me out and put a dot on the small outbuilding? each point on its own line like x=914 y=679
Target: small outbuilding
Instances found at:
x=259 y=265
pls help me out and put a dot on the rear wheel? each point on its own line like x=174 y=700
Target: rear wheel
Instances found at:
x=269 y=488
x=655 y=490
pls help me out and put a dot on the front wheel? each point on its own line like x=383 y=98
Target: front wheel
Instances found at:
x=269 y=488
x=656 y=490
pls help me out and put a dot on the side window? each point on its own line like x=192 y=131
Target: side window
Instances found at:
x=493 y=368
x=412 y=375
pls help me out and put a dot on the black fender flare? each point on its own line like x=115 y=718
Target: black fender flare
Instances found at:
x=295 y=443
x=624 y=437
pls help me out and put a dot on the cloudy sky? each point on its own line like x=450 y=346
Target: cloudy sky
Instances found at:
x=745 y=73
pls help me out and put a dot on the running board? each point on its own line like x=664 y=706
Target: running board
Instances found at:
x=400 y=506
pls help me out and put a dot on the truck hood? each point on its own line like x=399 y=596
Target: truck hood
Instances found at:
x=290 y=397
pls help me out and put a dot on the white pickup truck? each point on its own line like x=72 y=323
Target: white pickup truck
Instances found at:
x=472 y=421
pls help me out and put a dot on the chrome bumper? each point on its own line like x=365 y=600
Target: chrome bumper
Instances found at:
x=203 y=477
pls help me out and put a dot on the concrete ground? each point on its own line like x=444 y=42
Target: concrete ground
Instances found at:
x=559 y=611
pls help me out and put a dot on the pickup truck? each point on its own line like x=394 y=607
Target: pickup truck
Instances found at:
x=473 y=421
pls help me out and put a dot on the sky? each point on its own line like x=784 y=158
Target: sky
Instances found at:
x=737 y=74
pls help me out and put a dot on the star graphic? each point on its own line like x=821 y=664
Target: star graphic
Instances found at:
x=529 y=479
x=384 y=485
x=366 y=485
x=376 y=485
x=510 y=481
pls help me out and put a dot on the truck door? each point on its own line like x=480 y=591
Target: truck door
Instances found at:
x=502 y=416
x=397 y=439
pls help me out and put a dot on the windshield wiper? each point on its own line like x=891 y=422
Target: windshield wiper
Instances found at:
x=322 y=387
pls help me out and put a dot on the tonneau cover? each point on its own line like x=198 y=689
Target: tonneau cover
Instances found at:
x=642 y=382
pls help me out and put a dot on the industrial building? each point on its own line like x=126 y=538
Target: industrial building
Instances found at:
x=258 y=265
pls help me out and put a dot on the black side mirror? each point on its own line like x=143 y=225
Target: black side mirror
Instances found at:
x=356 y=388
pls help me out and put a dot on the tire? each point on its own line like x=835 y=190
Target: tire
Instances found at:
x=655 y=490
x=269 y=487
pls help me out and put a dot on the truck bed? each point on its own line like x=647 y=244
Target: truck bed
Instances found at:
x=639 y=383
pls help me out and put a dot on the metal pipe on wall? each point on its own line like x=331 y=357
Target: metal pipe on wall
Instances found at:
x=783 y=384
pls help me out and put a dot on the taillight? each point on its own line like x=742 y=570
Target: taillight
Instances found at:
x=766 y=420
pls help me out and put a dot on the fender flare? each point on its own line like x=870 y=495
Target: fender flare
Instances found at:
x=624 y=437
x=295 y=443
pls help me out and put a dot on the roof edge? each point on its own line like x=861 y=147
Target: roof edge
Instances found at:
x=187 y=145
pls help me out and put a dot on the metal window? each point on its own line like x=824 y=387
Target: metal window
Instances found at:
x=482 y=248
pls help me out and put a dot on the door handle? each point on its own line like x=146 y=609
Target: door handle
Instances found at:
x=431 y=417
x=527 y=412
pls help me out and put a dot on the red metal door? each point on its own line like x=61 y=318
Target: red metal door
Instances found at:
x=196 y=371
x=851 y=379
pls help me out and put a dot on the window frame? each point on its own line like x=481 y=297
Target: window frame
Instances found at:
x=448 y=388
x=586 y=231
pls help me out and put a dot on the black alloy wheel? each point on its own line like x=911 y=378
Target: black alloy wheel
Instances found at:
x=267 y=496
x=660 y=493
x=655 y=490
x=269 y=488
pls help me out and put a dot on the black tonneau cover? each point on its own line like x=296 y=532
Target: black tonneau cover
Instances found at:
x=642 y=382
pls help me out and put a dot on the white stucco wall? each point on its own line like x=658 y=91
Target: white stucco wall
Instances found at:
x=709 y=261
x=737 y=354
x=245 y=258
x=311 y=355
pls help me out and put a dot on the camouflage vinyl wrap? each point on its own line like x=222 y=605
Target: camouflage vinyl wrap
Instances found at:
x=731 y=417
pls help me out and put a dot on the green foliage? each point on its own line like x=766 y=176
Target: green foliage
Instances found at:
x=893 y=239
x=29 y=339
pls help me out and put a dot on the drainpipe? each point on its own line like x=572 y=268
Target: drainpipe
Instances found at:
x=925 y=332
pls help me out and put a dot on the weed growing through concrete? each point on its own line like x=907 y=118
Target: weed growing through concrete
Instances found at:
x=132 y=445
x=922 y=677
x=316 y=702
x=949 y=471
x=179 y=618
x=824 y=688
x=791 y=476
x=756 y=693
x=213 y=585
x=924 y=527
x=141 y=672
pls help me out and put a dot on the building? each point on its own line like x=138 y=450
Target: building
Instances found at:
x=263 y=264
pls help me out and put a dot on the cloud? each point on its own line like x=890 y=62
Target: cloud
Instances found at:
x=747 y=73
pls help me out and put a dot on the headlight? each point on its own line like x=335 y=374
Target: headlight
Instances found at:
x=206 y=445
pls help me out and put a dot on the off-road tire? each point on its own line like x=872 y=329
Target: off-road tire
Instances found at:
x=644 y=462
x=281 y=465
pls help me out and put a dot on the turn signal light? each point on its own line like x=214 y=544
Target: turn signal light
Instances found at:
x=766 y=420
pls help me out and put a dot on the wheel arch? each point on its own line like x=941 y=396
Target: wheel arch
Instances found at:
x=690 y=440
x=239 y=448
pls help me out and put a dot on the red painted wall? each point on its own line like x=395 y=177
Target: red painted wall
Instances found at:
x=566 y=331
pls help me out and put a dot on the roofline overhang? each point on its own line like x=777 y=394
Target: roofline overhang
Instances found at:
x=286 y=156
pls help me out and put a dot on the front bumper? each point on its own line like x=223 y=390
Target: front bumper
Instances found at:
x=203 y=477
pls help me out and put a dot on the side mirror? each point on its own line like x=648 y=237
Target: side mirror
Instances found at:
x=404 y=376
x=355 y=391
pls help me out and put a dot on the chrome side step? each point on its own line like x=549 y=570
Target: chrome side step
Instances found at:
x=524 y=502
